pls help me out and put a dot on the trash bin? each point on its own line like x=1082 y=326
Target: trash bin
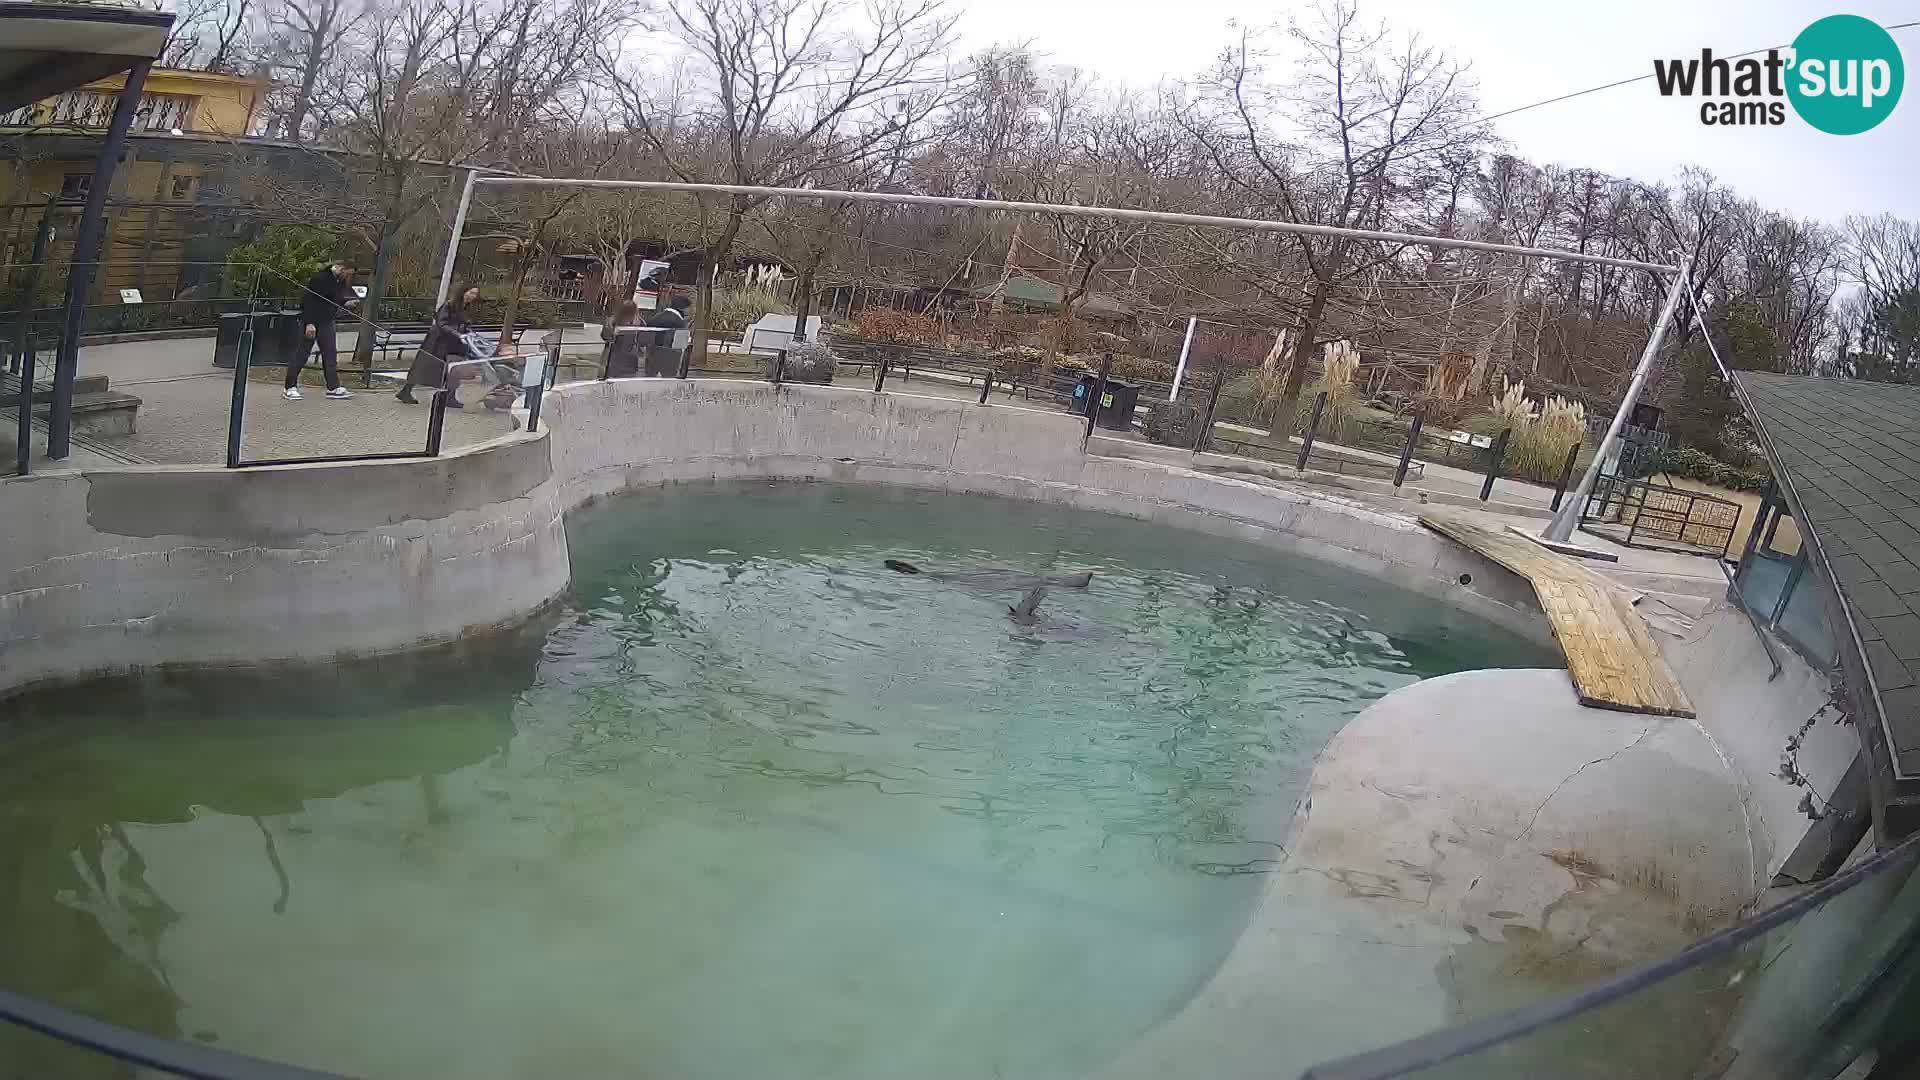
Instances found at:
x=285 y=337
x=1081 y=391
x=1117 y=404
x=226 y=345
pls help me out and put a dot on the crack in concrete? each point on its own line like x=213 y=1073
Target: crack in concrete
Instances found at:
x=1571 y=777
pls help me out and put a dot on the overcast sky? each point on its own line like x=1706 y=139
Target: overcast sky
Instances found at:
x=1525 y=50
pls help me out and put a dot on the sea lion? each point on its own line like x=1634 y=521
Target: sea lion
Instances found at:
x=996 y=579
x=1026 y=612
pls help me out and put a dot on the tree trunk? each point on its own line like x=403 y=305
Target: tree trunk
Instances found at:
x=710 y=270
x=377 y=287
x=803 y=301
x=521 y=265
x=1283 y=421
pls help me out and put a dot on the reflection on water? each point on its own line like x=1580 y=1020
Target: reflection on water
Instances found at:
x=756 y=805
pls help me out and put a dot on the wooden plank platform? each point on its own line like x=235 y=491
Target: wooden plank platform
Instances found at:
x=1614 y=661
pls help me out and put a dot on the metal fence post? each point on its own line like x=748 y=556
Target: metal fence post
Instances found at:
x=1493 y=462
x=1205 y=438
x=1406 y=452
x=1313 y=428
x=880 y=379
x=779 y=367
x=986 y=385
x=242 y=361
x=23 y=450
x=436 y=420
x=1093 y=399
x=1566 y=474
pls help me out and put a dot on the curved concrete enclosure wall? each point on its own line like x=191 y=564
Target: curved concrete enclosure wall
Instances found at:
x=622 y=434
x=115 y=570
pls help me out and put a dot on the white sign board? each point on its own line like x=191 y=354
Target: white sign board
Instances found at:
x=131 y=296
x=535 y=371
x=648 y=299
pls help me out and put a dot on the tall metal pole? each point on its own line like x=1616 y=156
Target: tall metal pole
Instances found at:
x=453 y=242
x=1180 y=369
x=29 y=303
x=1560 y=529
x=86 y=250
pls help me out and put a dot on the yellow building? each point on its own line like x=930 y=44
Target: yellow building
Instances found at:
x=172 y=101
x=183 y=136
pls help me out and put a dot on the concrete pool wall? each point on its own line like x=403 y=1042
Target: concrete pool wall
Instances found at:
x=114 y=570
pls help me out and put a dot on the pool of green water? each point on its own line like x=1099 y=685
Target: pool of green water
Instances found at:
x=749 y=804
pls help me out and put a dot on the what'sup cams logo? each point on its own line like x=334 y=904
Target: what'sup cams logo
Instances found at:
x=1843 y=75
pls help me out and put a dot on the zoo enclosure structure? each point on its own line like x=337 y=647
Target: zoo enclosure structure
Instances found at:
x=1560 y=529
x=1640 y=513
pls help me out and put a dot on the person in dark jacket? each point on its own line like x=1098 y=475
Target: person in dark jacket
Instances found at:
x=326 y=294
x=444 y=343
x=623 y=350
x=663 y=357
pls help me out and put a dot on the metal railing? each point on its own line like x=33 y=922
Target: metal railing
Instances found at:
x=1639 y=513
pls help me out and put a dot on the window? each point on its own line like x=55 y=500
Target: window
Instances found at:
x=1774 y=584
x=182 y=187
x=74 y=185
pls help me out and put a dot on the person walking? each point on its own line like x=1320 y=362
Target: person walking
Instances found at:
x=663 y=357
x=445 y=341
x=325 y=295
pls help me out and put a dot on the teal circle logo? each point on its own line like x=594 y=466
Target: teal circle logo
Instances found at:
x=1847 y=74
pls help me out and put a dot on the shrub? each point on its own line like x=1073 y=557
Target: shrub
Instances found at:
x=1707 y=469
x=1341 y=361
x=733 y=310
x=897 y=326
x=807 y=362
x=1142 y=369
x=284 y=256
x=1538 y=446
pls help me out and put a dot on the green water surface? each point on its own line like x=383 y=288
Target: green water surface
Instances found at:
x=751 y=805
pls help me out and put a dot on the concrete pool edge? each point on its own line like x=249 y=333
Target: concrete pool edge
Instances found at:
x=125 y=569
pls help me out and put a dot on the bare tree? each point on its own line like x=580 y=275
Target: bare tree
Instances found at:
x=780 y=92
x=207 y=35
x=303 y=39
x=1364 y=109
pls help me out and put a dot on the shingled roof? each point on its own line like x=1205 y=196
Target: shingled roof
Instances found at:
x=1847 y=456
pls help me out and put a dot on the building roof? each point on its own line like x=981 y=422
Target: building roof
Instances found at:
x=1034 y=292
x=1847 y=455
x=51 y=48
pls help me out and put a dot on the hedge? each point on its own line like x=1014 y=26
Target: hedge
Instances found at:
x=1707 y=469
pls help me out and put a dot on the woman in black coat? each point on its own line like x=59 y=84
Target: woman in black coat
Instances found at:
x=623 y=350
x=444 y=342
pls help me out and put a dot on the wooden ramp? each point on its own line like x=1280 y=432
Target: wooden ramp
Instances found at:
x=1614 y=661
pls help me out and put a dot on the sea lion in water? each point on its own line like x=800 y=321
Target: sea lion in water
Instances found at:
x=1026 y=612
x=996 y=579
